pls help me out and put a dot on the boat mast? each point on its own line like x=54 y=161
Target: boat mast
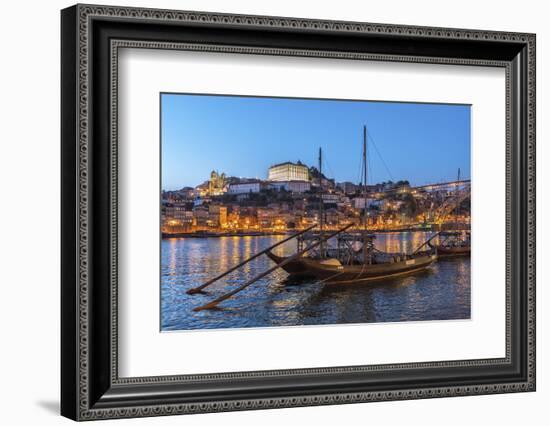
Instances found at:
x=456 y=207
x=321 y=207
x=366 y=248
x=365 y=176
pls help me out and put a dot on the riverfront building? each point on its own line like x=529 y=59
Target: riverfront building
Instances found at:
x=217 y=215
x=245 y=187
x=288 y=171
x=295 y=186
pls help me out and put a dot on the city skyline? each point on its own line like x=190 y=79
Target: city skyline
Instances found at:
x=421 y=143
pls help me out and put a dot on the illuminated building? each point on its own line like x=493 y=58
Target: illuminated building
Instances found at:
x=217 y=215
x=288 y=172
x=176 y=218
x=216 y=185
x=295 y=186
x=245 y=187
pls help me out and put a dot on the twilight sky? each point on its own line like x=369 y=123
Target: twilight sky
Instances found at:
x=243 y=136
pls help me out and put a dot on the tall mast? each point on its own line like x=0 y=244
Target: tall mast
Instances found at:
x=321 y=206
x=365 y=176
x=456 y=207
x=366 y=247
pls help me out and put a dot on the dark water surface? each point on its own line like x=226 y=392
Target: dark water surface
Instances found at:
x=439 y=293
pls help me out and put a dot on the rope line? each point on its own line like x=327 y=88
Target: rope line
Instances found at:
x=369 y=135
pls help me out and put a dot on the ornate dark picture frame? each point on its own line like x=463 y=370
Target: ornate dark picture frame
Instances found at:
x=91 y=37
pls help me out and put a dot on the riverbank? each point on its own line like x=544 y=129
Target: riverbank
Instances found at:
x=221 y=234
x=206 y=234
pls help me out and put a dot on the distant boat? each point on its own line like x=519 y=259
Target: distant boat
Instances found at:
x=452 y=244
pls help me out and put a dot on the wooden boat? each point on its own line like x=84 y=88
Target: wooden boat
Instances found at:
x=453 y=251
x=331 y=270
x=453 y=244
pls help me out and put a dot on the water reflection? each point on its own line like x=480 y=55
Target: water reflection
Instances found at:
x=442 y=292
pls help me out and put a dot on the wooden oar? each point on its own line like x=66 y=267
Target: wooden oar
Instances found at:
x=213 y=280
x=226 y=296
x=426 y=242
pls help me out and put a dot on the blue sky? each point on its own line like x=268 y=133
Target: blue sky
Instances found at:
x=243 y=136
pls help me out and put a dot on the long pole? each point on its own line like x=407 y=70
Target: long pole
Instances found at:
x=365 y=176
x=213 y=280
x=226 y=296
x=366 y=254
x=321 y=204
x=426 y=242
x=456 y=208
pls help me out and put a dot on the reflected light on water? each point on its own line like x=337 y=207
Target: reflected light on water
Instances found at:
x=172 y=252
x=443 y=292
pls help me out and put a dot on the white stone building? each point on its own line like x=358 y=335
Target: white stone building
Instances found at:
x=288 y=172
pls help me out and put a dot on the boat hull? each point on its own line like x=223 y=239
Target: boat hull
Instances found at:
x=443 y=251
x=349 y=274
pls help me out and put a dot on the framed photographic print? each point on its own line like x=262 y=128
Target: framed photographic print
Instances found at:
x=263 y=212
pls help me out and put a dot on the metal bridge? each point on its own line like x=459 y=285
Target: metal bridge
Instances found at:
x=442 y=212
x=450 y=186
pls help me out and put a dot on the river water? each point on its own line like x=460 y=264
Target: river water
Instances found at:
x=440 y=293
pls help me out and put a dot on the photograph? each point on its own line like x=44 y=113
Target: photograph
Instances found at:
x=278 y=212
